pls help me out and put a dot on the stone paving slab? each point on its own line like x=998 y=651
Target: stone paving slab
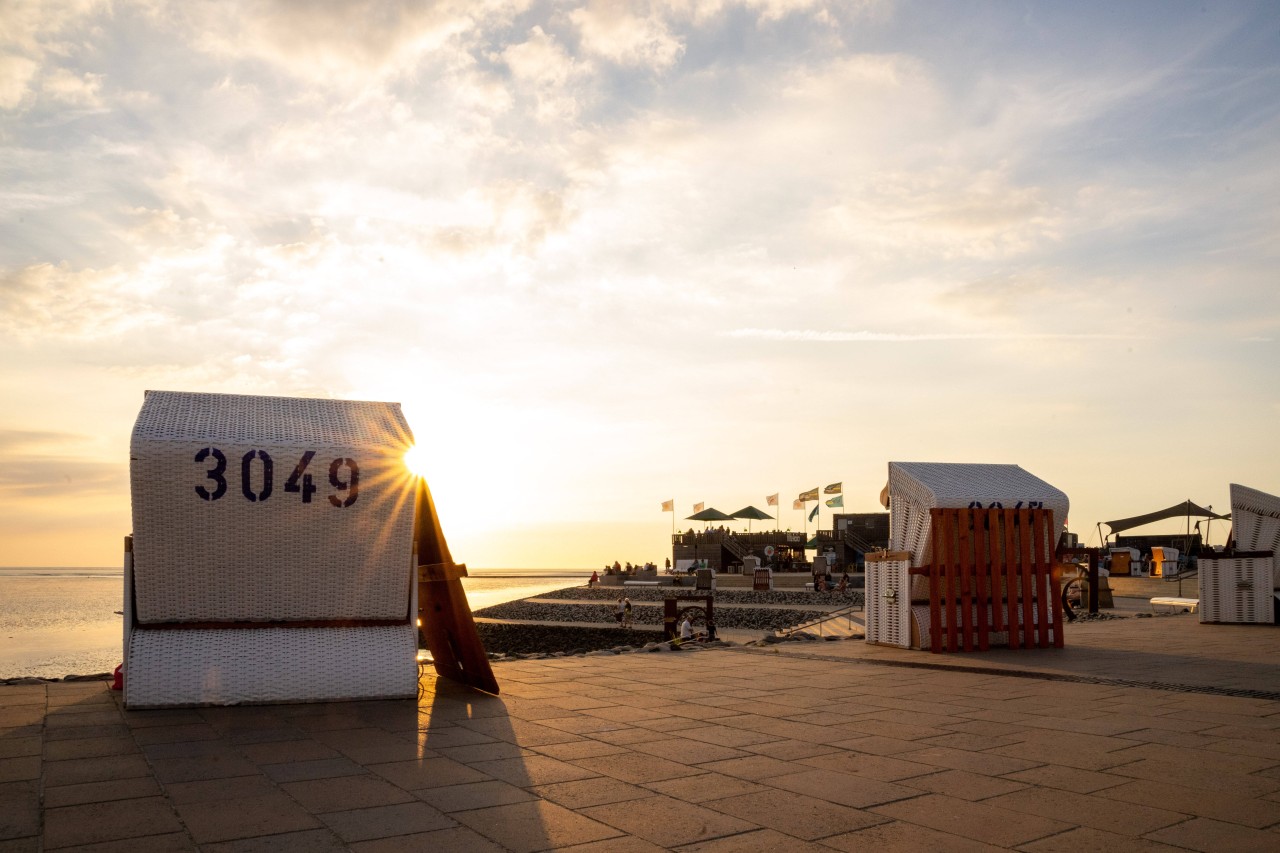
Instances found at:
x=800 y=746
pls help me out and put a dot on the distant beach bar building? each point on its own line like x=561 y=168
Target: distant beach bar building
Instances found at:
x=852 y=536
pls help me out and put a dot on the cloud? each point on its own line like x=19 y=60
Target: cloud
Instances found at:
x=341 y=44
x=831 y=336
x=41 y=476
x=19 y=441
x=16 y=74
x=36 y=32
x=1002 y=294
x=43 y=463
x=614 y=32
x=79 y=90
x=45 y=299
x=541 y=67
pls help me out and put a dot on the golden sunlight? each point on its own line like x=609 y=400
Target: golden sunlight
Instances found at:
x=416 y=461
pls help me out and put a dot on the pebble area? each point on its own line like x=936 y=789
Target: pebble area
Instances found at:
x=580 y=604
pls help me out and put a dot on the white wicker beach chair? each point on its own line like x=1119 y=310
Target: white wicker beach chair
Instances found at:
x=916 y=488
x=272 y=552
x=1255 y=519
x=1241 y=586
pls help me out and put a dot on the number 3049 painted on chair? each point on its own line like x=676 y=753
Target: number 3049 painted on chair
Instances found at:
x=299 y=481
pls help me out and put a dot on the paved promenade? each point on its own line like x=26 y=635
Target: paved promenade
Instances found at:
x=796 y=747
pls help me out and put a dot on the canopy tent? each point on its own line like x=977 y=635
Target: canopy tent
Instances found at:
x=1186 y=509
x=750 y=513
x=710 y=514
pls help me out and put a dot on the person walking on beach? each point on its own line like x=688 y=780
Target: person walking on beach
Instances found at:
x=626 y=612
x=618 y=612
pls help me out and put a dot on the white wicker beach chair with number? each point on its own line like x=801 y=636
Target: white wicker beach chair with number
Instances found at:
x=272 y=552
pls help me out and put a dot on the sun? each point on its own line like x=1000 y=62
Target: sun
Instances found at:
x=415 y=459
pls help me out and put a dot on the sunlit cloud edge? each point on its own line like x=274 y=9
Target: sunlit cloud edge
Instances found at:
x=822 y=336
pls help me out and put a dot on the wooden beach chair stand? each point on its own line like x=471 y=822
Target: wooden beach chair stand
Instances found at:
x=445 y=622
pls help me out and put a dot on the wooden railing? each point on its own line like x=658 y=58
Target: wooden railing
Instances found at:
x=734 y=547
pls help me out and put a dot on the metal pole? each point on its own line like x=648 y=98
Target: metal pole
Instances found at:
x=1186 y=546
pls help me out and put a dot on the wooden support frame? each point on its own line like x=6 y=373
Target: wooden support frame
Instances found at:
x=446 y=624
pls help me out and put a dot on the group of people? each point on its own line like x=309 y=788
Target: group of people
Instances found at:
x=824 y=583
x=622 y=612
x=617 y=568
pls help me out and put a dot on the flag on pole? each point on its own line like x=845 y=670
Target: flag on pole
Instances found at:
x=816 y=507
x=772 y=500
x=811 y=495
x=838 y=500
x=833 y=489
x=797 y=504
x=699 y=506
x=669 y=506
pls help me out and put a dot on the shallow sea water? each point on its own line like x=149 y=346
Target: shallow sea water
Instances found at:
x=62 y=621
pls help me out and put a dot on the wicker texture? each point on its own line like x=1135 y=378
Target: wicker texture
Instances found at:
x=887 y=608
x=213 y=543
x=917 y=487
x=1255 y=522
x=168 y=668
x=232 y=559
x=1237 y=589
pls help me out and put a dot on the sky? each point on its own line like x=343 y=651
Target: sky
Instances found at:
x=611 y=254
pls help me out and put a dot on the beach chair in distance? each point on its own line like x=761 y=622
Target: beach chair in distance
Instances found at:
x=1242 y=584
x=272 y=555
x=705 y=580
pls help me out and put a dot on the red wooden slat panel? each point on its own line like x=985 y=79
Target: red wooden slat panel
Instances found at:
x=949 y=579
x=935 y=581
x=1024 y=572
x=965 y=519
x=983 y=524
x=1043 y=566
x=993 y=570
x=1009 y=573
x=953 y=581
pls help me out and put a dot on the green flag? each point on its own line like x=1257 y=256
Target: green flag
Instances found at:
x=816 y=507
x=838 y=500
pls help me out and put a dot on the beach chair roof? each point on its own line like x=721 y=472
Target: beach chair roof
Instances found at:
x=960 y=484
x=1255 y=519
